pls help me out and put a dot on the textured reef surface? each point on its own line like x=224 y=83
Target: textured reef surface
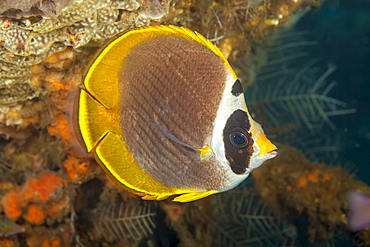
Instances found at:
x=52 y=194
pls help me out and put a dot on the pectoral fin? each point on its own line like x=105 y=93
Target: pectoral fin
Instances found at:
x=200 y=151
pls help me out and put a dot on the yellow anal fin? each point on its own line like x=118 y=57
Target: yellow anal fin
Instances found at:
x=193 y=196
x=115 y=157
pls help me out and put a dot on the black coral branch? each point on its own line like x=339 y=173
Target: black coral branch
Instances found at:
x=125 y=223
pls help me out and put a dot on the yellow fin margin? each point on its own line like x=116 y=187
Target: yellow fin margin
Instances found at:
x=193 y=196
x=105 y=68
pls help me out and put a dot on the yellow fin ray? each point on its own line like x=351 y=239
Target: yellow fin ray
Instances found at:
x=95 y=120
x=193 y=196
x=204 y=151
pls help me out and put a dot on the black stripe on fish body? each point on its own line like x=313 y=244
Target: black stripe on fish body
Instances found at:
x=237 y=88
x=238 y=141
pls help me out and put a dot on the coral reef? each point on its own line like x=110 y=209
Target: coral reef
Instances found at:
x=43 y=53
x=28 y=37
x=235 y=25
x=124 y=223
x=30 y=197
x=235 y=218
x=296 y=188
x=59 y=196
x=48 y=8
x=31 y=31
x=34 y=192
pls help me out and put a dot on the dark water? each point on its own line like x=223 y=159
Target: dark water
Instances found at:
x=335 y=46
x=343 y=31
x=340 y=30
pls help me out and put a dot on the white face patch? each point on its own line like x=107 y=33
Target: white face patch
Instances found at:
x=232 y=101
x=229 y=103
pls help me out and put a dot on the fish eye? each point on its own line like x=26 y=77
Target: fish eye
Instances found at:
x=239 y=138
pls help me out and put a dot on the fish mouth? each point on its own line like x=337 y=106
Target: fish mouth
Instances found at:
x=273 y=153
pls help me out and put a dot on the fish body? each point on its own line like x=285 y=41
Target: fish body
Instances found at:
x=359 y=210
x=9 y=227
x=164 y=114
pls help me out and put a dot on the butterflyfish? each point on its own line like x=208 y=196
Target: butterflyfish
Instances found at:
x=164 y=114
x=10 y=227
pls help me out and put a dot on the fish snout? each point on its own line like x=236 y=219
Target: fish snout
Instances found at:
x=266 y=146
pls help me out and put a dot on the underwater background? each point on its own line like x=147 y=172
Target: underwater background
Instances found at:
x=329 y=53
x=343 y=30
x=306 y=82
x=334 y=41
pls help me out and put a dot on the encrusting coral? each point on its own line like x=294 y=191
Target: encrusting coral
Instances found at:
x=296 y=188
x=52 y=188
x=32 y=30
x=38 y=198
x=234 y=25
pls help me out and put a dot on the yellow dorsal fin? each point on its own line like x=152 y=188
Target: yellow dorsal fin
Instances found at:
x=104 y=69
